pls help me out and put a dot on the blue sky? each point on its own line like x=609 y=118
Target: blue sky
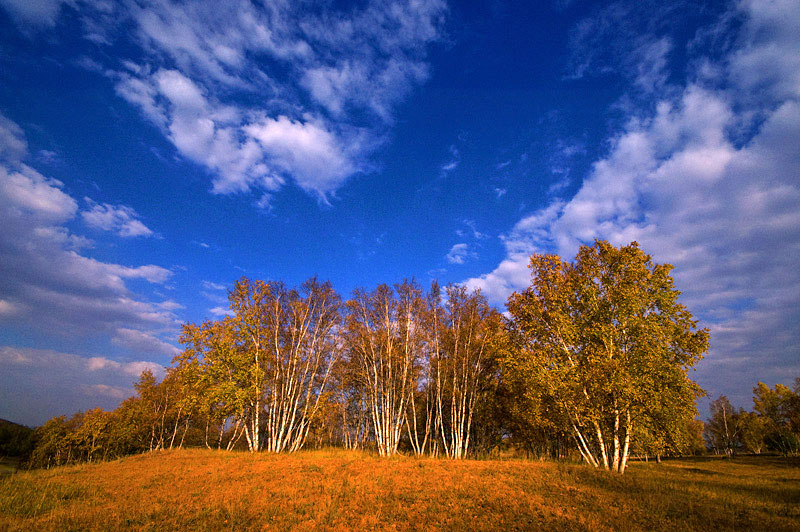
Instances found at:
x=152 y=152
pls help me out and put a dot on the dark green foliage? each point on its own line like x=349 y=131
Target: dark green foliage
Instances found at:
x=15 y=440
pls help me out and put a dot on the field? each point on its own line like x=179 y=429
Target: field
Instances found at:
x=340 y=490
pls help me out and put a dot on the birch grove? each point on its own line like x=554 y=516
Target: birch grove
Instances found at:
x=382 y=335
x=592 y=356
x=463 y=335
x=266 y=367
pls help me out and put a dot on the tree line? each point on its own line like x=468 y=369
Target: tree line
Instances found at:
x=772 y=425
x=590 y=361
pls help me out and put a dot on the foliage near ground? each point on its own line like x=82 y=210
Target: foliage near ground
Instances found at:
x=15 y=440
x=338 y=490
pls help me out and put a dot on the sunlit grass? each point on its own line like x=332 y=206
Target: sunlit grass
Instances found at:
x=334 y=490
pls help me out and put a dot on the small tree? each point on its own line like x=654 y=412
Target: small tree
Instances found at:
x=754 y=432
x=724 y=429
x=780 y=409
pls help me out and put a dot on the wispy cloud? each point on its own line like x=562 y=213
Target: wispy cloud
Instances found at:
x=116 y=218
x=143 y=343
x=208 y=285
x=34 y=13
x=471 y=231
x=453 y=162
x=460 y=253
x=265 y=95
x=631 y=40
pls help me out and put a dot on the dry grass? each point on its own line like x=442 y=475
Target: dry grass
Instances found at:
x=338 y=490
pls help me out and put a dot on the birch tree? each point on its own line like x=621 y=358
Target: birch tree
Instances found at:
x=265 y=368
x=303 y=347
x=464 y=332
x=606 y=340
x=383 y=331
x=723 y=430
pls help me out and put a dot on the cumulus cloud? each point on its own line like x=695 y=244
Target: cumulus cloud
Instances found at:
x=307 y=151
x=264 y=95
x=725 y=211
x=36 y=384
x=116 y=218
x=46 y=282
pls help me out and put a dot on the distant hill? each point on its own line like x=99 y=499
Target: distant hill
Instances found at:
x=15 y=439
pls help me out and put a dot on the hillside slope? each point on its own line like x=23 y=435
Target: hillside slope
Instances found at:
x=338 y=490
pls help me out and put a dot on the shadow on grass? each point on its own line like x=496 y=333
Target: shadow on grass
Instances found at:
x=746 y=493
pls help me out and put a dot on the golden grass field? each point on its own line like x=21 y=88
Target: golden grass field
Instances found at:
x=340 y=490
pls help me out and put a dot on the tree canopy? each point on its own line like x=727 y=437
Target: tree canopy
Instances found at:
x=604 y=341
x=592 y=360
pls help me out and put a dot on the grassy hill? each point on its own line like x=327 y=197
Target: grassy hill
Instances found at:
x=339 y=490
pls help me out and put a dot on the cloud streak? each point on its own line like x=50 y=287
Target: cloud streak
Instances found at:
x=36 y=384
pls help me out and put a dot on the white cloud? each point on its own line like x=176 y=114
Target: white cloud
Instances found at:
x=170 y=305
x=726 y=213
x=305 y=150
x=143 y=343
x=459 y=254
x=651 y=63
x=8 y=308
x=114 y=392
x=473 y=230
x=453 y=162
x=221 y=312
x=36 y=384
x=530 y=235
x=326 y=84
x=208 y=285
x=34 y=12
x=25 y=192
x=117 y=218
x=12 y=141
x=46 y=283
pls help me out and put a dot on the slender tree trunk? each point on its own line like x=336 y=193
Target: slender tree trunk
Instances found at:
x=626 y=447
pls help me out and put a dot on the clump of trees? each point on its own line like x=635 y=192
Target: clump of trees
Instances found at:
x=602 y=347
x=156 y=418
x=590 y=361
x=773 y=425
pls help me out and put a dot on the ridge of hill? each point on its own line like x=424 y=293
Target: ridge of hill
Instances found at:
x=197 y=489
